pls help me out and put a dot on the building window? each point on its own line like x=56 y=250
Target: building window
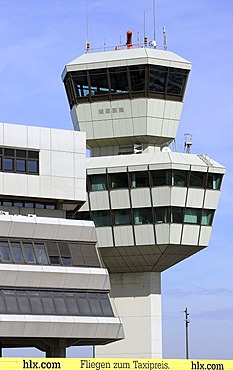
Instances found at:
x=65 y=303
x=122 y=217
x=142 y=216
x=177 y=215
x=160 y=177
x=196 y=179
x=118 y=180
x=207 y=217
x=102 y=218
x=98 y=182
x=20 y=204
x=214 y=181
x=179 y=178
x=139 y=179
x=161 y=215
x=191 y=215
x=19 y=161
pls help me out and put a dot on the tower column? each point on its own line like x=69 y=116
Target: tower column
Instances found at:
x=137 y=298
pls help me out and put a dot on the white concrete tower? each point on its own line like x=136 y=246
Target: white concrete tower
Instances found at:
x=152 y=207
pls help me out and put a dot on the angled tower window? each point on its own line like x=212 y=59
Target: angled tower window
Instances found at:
x=98 y=182
x=161 y=215
x=191 y=215
x=143 y=216
x=118 y=180
x=161 y=177
x=179 y=178
x=119 y=80
x=81 y=84
x=197 y=179
x=176 y=81
x=17 y=252
x=102 y=218
x=139 y=179
x=177 y=215
x=214 y=181
x=122 y=217
x=137 y=78
x=99 y=82
x=157 y=79
x=207 y=217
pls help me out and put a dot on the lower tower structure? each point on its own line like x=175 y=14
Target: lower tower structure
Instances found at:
x=152 y=207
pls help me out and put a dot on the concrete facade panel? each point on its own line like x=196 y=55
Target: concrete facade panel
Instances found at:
x=119 y=199
x=162 y=232
x=195 y=198
x=161 y=196
x=178 y=196
x=104 y=237
x=144 y=234
x=140 y=197
x=211 y=199
x=190 y=234
x=205 y=235
x=123 y=235
x=99 y=200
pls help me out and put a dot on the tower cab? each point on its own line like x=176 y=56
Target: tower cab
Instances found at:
x=126 y=98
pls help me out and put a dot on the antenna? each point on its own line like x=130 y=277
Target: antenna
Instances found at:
x=154 y=18
x=87 y=28
x=164 y=39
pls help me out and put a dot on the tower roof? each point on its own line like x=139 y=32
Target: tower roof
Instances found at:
x=126 y=58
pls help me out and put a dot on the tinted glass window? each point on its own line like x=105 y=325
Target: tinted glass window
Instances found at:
x=157 y=78
x=99 y=83
x=176 y=81
x=98 y=182
x=207 y=217
x=17 y=252
x=32 y=166
x=8 y=164
x=41 y=254
x=119 y=80
x=179 y=178
x=196 y=179
x=137 y=78
x=20 y=165
x=29 y=253
x=160 y=177
x=214 y=181
x=81 y=84
x=139 y=179
x=102 y=218
x=118 y=180
x=4 y=252
x=122 y=217
x=177 y=214
x=191 y=215
x=143 y=216
x=161 y=215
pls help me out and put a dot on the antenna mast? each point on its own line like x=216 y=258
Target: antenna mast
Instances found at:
x=87 y=29
x=154 y=18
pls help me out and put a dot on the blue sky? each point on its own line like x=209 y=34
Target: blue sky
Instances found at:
x=37 y=39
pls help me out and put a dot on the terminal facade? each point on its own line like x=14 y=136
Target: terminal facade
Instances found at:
x=152 y=207
x=54 y=290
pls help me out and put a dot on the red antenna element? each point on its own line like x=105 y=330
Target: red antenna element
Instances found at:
x=129 y=39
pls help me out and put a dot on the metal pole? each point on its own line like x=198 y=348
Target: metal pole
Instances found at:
x=186 y=332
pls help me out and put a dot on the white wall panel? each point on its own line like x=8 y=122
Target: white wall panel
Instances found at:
x=162 y=232
x=195 y=198
x=140 y=197
x=123 y=235
x=175 y=233
x=144 y=234
x=178 y=196
x=119 y=199
x=161 y=196
x=205 y=235
x=104 y=237
x=99 y=200
x=190 y=234
x=211 y=199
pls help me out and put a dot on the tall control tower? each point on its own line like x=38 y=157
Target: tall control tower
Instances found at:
x=152 y=207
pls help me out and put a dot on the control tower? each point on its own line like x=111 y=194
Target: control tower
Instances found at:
x=152 y=207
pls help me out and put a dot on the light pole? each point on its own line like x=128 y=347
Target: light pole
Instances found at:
x=186 y=331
